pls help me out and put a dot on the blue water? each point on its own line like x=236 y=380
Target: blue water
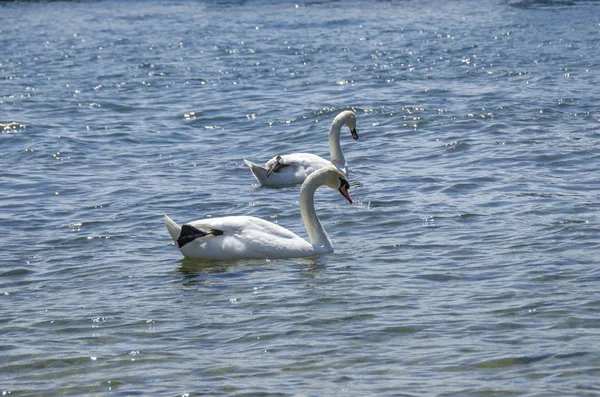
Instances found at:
x=467 y=265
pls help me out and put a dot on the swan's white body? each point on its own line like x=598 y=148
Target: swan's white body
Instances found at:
x=244 y=237
x=293 y=169
x=247 y=237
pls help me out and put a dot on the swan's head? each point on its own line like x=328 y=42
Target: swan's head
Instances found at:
x=336 y=180
x=348 y=118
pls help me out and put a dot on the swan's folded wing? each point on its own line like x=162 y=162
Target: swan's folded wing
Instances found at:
x=304 y=160
x=291 y=169
x=240 y=226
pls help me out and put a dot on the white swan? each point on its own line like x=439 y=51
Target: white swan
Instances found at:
x=292 y=169
x=247 y=237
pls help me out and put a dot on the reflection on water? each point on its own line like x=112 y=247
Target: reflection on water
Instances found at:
x=190 y=268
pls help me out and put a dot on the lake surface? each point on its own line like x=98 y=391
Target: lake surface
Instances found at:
x=467 y=265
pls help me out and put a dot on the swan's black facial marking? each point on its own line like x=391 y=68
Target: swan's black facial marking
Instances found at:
x=190 y=233
x=277 y=166
x=354 y=133
x=344 y=186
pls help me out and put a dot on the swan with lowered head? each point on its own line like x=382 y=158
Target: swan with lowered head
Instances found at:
x=292 y=169
x=247 y=237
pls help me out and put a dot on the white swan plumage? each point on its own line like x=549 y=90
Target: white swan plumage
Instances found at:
x=293 y=169
x=247 y=237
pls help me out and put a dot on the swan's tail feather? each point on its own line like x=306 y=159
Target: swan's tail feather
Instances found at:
x=174 y=228
x=259 y=172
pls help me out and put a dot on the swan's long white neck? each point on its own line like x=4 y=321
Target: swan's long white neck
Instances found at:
x=316 y=233
x=335 y=149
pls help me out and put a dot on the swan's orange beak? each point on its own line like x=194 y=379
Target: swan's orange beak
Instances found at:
x=344 y=191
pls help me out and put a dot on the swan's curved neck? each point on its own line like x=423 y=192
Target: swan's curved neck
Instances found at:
x=335 y=149
x=316 y=233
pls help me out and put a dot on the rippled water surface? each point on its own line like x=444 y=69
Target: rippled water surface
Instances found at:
x=467 y=266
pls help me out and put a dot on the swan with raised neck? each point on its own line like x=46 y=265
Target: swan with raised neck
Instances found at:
x=294 y=168
x=246 y=237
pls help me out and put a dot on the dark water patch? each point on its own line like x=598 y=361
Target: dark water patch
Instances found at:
x=440 y=277
x=511 y=361
x=460 y=188
x=17 y=273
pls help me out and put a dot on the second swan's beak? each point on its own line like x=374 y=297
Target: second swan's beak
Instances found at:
x=344 y=191
x=354 y=133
